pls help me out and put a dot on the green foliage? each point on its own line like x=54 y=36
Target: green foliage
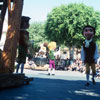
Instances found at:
x=65 y=23
x=36 y=31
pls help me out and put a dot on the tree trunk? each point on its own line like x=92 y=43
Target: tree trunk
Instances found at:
x=2 y=16
x=10 y=47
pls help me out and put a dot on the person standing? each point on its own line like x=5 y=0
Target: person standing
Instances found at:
x=89 y=52
x=51 y=62
x=51 y=56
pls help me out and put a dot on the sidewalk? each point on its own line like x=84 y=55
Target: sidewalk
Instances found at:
x=65 y=85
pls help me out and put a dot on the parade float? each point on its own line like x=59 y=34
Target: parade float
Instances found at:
x=8 y=55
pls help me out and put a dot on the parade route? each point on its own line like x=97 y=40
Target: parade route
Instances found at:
x=65 y=85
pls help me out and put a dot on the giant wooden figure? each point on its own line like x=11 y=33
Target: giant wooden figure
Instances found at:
x=23 y=43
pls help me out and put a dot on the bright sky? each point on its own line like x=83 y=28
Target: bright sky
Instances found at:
x=38 y=9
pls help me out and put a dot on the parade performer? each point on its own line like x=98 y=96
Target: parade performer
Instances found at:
x=23 y=43
x=89 y=52
x=51 y=47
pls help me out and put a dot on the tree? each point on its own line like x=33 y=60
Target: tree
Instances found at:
x=36 y=31
x=65 y=23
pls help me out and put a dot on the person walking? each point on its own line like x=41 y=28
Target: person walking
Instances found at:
x=51 y=47
x=89 y=53
x=51 y=62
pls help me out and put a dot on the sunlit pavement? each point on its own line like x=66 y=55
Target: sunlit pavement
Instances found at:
x=65 y=85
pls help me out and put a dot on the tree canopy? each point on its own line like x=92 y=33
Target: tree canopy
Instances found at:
x=65 y=23
x=37 y=33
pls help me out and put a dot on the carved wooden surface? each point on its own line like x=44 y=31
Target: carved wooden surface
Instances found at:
x=10 y=47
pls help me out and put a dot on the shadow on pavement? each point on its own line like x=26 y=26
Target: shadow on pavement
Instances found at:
x=53 y=89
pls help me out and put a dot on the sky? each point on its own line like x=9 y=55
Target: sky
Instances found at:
x=38 y=10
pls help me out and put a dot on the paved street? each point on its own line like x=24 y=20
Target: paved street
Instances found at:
x=65 y=85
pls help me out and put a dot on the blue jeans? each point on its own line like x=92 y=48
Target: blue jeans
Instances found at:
x=22 y=67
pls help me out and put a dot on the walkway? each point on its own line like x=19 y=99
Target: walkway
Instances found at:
x=65 y=85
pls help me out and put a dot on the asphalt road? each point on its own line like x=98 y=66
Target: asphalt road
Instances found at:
x=65 y=85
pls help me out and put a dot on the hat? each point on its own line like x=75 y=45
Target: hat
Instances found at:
x=25 y=18
x=52 y=45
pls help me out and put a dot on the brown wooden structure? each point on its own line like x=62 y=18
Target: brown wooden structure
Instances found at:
x=8 y=54
x=13 y=80
x=14 y=18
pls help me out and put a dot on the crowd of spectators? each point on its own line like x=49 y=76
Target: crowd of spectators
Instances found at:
x=64 y=63
x=77 y=65
x=69 y=65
